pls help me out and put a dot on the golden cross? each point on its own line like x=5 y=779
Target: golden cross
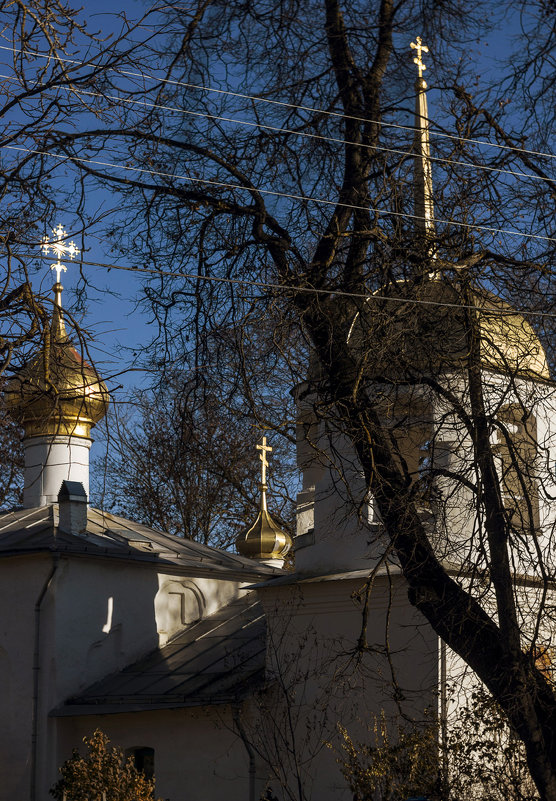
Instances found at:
x=59 y=249
x=264 y=448
x=421 y=48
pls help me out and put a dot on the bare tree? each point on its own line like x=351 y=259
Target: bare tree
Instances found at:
x=11 y=459
x=296 y=216
x=40 y=80
x=183 y=462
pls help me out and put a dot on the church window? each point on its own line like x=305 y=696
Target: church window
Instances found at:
x=516 y=451
x=143 y=759
x=414 y=446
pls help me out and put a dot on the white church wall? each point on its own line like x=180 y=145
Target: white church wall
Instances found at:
x=336 y=521
x=181 y=601
x=535 y=403
x=49 y=460
x=321 y=680
x=105 y=619
x=21 y=582
x=453 y=507
x=96 y=617
x=111 y=612
x=198 y=755
x=546 y=433
x=334 y=515
x=451 y=503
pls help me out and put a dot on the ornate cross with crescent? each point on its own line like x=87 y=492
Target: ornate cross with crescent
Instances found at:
x=421 y=48
x=59 y=249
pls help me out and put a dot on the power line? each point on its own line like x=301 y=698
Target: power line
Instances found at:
x=307 y=290
x=293 y=131
x=275 y=193
x=285 y=104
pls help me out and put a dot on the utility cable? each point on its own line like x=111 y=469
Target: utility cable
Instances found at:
x=293 y=131
x=304 y=290
x=275 y=193
x=285 y=104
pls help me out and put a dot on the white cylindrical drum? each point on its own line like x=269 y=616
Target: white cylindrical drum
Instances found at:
x=49 y=460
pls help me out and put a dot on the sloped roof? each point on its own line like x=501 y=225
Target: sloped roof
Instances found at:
x=218 y=660
x=25 y=531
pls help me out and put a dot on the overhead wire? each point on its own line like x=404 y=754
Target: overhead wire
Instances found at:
x=295 y=106
x=276 y=193
x=282 y=194
x=293 y=131
x=284 y=288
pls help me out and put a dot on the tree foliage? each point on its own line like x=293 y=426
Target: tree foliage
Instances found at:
x=480 y=758
x=485 y=758
x=391 y=767
x=102 y=770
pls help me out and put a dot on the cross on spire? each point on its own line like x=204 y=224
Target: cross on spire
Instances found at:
x=421 y=48
x=59 y=249
x=423 y=192
x=264 y=448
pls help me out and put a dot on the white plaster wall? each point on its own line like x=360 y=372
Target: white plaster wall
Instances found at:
x=21 y=581
x=181 y=601
x=538 y=397
x=97 y=616
x=104 y=619
x=321 y=680
x=337 y=525
x=546 y=433
x=108 y=614
x=198 y=755
x=334 y=519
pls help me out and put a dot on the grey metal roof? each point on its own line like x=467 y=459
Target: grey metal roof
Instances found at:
x=218 y=660
x=36 y=530
x=283 y=578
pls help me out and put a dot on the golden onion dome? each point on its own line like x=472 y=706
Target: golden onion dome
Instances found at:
x=423 y=327
x=264 y=540
x=57 y=392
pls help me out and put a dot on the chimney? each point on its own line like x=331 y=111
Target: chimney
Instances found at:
x=72 y=505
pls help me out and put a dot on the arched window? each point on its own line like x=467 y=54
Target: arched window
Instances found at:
x=413 y=443
x=516 y=450
x=143 y=759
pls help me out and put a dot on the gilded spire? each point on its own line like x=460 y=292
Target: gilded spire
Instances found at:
x=265 y=540
x=424 y=208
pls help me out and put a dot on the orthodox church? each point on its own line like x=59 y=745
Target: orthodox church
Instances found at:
x=225 y=673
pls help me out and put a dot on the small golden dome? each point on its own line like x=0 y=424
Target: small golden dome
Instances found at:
x=426 y=330
x=264 y=540
x=57 y=391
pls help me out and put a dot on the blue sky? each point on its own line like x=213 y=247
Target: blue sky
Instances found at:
x=111 y=315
